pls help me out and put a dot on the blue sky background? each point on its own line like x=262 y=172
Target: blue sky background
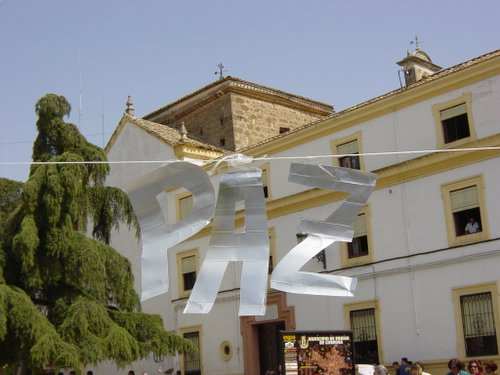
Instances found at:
x=338 y=52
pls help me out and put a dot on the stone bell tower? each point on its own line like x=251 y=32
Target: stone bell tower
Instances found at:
x=417 y=65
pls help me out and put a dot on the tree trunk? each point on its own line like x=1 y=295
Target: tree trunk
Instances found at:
x=22 y=368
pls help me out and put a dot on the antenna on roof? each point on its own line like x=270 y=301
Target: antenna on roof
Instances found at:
x=80 y=103
x=221 y=71
x=102 y=124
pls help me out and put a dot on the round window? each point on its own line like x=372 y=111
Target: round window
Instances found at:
x=225 y=351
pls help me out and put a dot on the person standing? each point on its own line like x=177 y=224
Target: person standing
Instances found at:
x=379 y=370
x=475 y=367
x=404 y=367
x=416 y=369
x=456 y=367
x=395 y=366
x=490 y=367
x=472 y=226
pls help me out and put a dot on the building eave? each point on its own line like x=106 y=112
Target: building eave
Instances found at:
x=189 y=147
x=455 y=77
x=419 y=61
x=230 y=84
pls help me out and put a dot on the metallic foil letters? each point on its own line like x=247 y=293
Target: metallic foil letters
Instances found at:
x=321 y=234
x=250 y=247
x=149 y=199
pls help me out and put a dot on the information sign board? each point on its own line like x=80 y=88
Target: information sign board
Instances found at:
x=317 y=353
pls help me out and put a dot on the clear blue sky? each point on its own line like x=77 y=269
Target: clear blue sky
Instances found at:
x=339 y=52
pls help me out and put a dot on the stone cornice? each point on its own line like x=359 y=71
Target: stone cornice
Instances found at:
x=183 y=151
x=209 y=94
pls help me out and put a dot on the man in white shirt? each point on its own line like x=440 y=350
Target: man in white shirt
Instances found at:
x=472 y=226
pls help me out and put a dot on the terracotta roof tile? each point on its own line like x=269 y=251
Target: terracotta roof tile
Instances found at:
x=242 y=84
x=169 y=135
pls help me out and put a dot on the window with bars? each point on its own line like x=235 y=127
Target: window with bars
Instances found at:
x=192 y=363
x=364 y=333
x=359 y=245
x=351 y=161
x=478 y=322
x=465 y=210
x=455 y=123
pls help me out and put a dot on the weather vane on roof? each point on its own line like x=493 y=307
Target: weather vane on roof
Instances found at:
x=416 y=42
x=221 y=71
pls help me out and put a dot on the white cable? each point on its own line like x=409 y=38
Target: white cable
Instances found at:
x=264 y=158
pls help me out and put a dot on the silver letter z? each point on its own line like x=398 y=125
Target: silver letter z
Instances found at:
x=287 y=276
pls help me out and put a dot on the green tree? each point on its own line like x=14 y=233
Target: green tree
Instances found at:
x=10 y=194
x=65 y=298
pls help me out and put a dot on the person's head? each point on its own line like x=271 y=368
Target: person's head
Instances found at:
x=490 y=367
x=404 y=361
x=379 y=370
x=90 y=372
x=72 y=372
x=455 y=365
x=472 y=220
x=416 y=369
x=131 y=372
x=475 y=366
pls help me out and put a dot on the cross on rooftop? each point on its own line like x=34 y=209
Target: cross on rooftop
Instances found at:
x=417 y=42
x=221 y=71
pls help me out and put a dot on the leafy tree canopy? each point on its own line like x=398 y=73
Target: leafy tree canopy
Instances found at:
x=65 y=298
x=10 y=194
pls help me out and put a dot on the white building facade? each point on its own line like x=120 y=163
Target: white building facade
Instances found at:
x=427 y=289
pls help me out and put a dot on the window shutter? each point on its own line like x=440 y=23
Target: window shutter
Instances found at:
x=359 y=226
x=453 y=111
x=348 y=148
x=189 y=264
x=264 y=177
x=185 y=206
x=464 y=199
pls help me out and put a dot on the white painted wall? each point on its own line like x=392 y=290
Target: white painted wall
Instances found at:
x=414 y=293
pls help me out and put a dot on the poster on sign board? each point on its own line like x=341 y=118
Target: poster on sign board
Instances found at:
x=317 y=353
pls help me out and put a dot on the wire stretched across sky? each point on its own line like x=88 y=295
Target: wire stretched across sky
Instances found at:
x=247 y=159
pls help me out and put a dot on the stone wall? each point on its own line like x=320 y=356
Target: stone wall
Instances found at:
x=212 y=123
x=256 y=120
x=233 y=120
